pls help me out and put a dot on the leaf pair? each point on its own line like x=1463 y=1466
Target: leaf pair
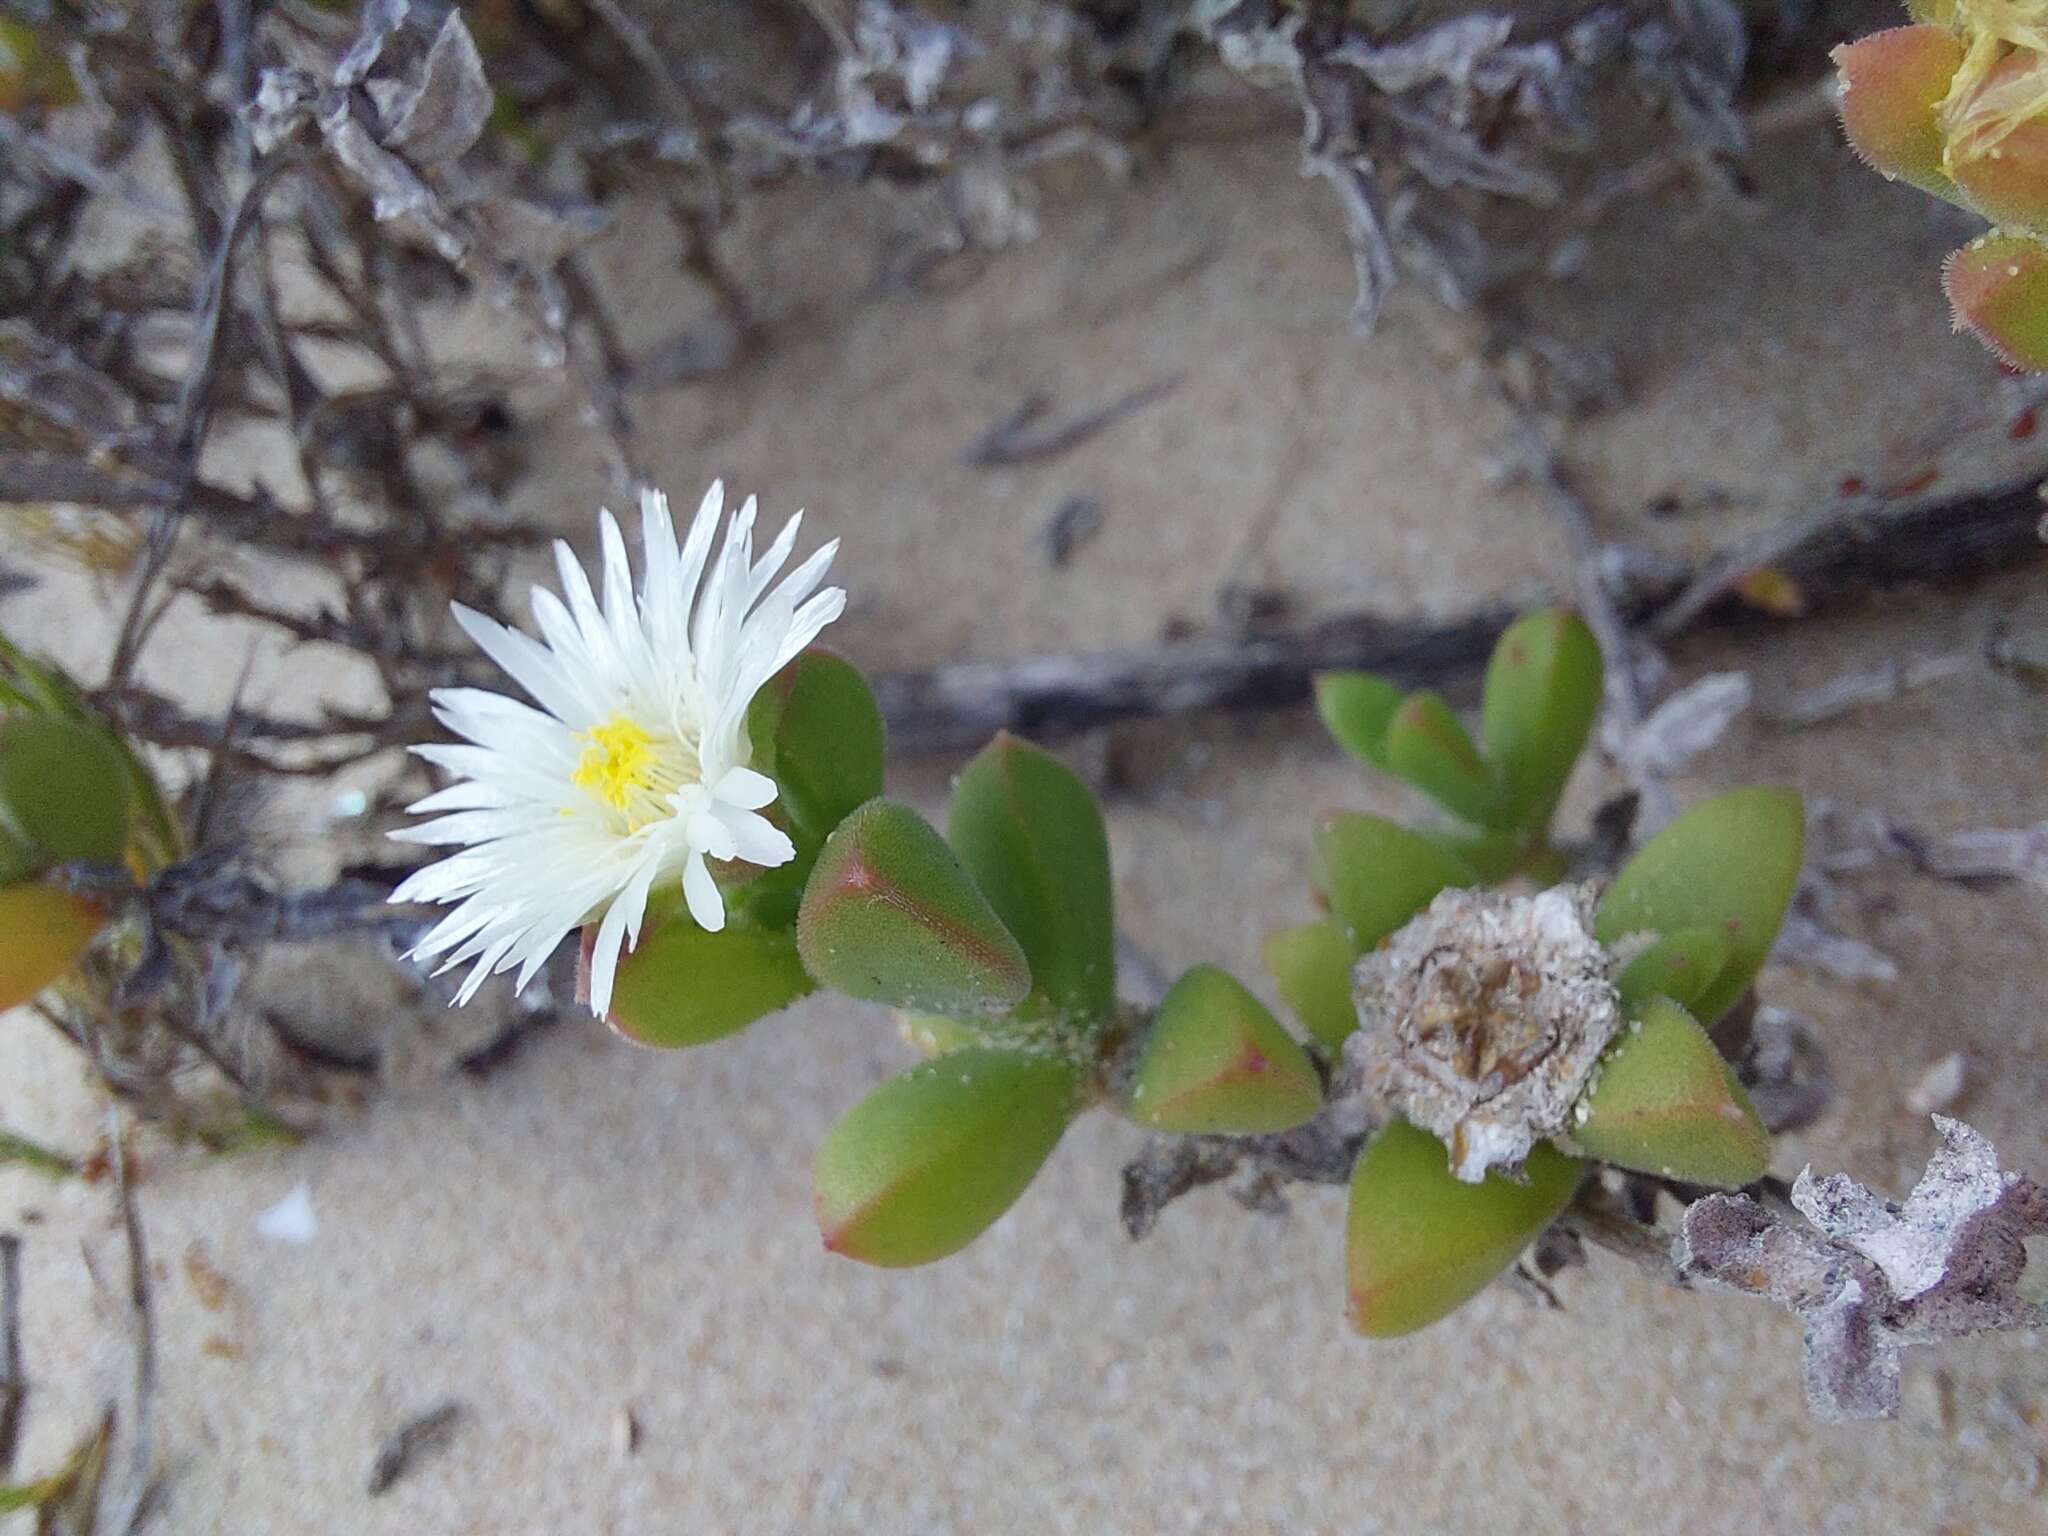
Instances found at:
x=1011 y=915
x=1541 y=694
x=816 y=731
x=1004 y=931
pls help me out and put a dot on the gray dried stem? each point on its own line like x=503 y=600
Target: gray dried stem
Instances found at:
x=1839 y=558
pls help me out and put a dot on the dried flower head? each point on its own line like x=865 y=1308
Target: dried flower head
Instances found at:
x=1483 y=1018
x=633 y=774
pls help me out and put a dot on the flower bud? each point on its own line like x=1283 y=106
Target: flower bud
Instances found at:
x=928 y=1161
x=1420 y=1243
x=1217 y=1063
x=1664 y=1101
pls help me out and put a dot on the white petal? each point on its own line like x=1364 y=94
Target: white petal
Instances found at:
x=758 y=840
x=604 y=958
x=469 y=795
x=700 y=891
x=708 y=834
x=774 y=560
x=528 y=663
x=745 y=788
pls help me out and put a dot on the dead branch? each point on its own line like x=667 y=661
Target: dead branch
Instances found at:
x=1833 y=559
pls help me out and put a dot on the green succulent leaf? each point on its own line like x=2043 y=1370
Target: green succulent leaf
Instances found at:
x=1031 y=835
x=1664 y=1101
x=1680 y=966
x=1420 y=1243
x=1429 y=748
x=1217 y=1063
x=818 y=729
x=1729 y=864
x=1495 y=855
x=1377 y=875
x=1356 y=708
x=36 y=688
x=1542 y=693
x=1311 y=964
x=889 y=915
x=683 y=986
x=927 y=1162
x=63 y=795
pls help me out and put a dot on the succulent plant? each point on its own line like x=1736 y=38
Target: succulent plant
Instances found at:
x=1509 y=1042
x=1506 y=1038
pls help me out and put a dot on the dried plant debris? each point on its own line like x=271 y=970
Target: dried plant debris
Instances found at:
x=399 y=136
x=1409 y=126
x=1869 y=1276
x=1482 y=1019
x=1685 y=725
x=1851 y=692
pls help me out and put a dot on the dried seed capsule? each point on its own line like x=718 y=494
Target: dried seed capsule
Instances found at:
x=1481 y=1020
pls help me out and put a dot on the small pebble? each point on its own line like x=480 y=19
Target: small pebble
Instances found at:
x=1939 y=1087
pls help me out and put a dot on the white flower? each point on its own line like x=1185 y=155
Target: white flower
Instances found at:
x=633 y=771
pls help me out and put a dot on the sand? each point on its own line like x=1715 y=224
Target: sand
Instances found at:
x=595 y=1232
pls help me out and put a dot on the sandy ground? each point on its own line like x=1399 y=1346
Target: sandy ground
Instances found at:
x=595 y=1232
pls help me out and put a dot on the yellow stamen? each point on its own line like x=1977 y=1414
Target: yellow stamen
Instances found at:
x=618 y=762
